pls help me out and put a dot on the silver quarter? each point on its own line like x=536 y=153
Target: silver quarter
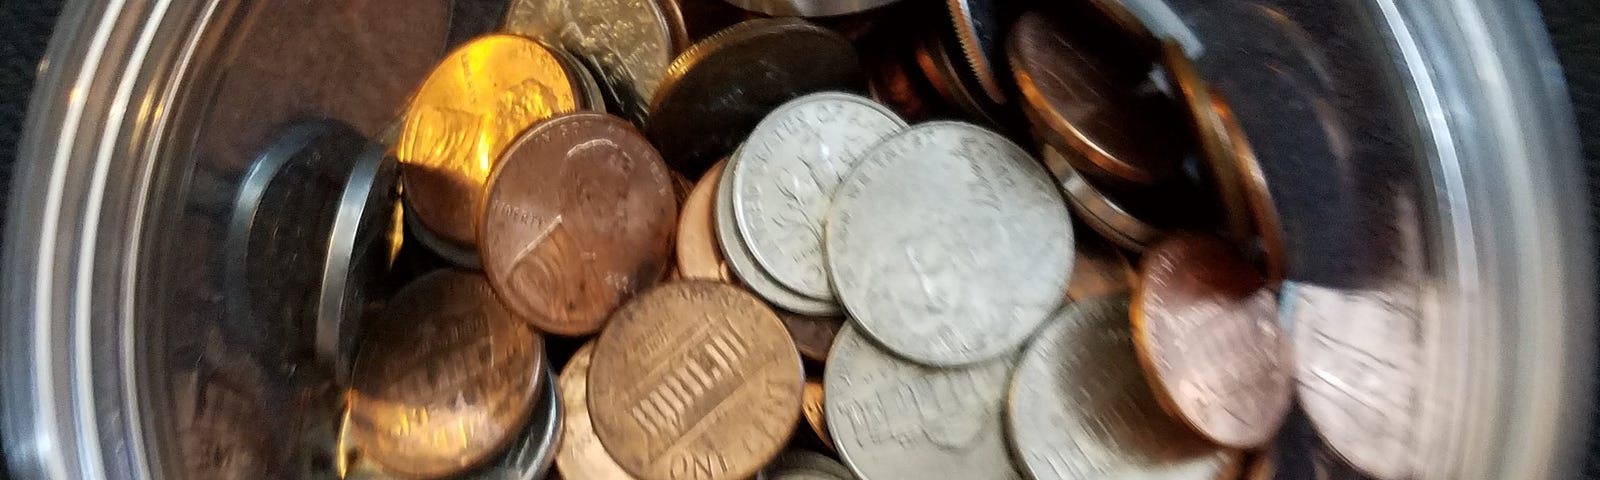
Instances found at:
x=894 y=419
x=744 y=265
x=628 y=43
x=806 y=465
x=809 y=8
x=1080 y=407
x=1100 y=213
x=358 y=257
x=949 y=244
x=785 y=175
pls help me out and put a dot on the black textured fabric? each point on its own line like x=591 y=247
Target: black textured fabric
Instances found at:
x=25 y=27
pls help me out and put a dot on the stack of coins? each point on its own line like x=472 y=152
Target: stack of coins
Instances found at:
x=719 y=242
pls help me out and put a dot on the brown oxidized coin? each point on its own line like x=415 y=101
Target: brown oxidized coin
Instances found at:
x=1256 y=193
x=579 y=217
x=717 y=91
x=813 y=336
x=699 y=256
x=579 y=454
x=1216 y=146
x=1089 y=107
x=445 y=380
x=1206 y=330
x=694 y=380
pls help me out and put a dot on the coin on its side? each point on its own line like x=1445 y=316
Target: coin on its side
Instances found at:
x=533 y=453
x=891 y=418
x=446 y=378
x=981 y=32
x=358 y=257
x=949 y=244
x=1087 y=106
x=812 y=335
x=785 y=174
x=579 y=217
x=806 y=465
x=580 y=454
x=699 y=257
x=1207 y=333
x=743 y=265
x=694 y=380
x=462 y=118
x=1268 y=226
x=1102 y=214
x=1216 y=145
x=712 y=96
x=813 y=408
x=1079 y=407
x=628 y=42
x=1099 y=270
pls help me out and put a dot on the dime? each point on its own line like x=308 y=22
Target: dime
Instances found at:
x=1211 y=133
x=981 y=31
x=446 y=380
x=812 y=335
x=694 y=379
x=698 y=253
x=464 y=115
x=1079 y=407
x=1254 y=182
x=809 y=8
x=358 y=257
x=1207 y=334
x=1098 y=270
x=785 y=174
x=938 y=64
x=891 y=418
x=949 y=244
x=1359 y=364
x=805 y=465
x=1101 y=214
x=628 y=42
x=814 y=409
x=711 y=97
x=1089 y=107
x=742 y=263
x=580 y=454
x=579 y=217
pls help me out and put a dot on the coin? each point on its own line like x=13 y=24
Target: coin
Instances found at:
x=1215 y=144
x=446 y=380
x=698 y=253
x=1079 y=408
x=464 y=115
x=785 y=174
x=1207 y=334
x=1090 y=107
x=743 y=264
x=694 y=379
x=1268 y=227
x=453 y=254
x=1359 y=364
x=1098 y=270
x=580 y=454
x=938 y=64
x=1101 y=214
x=980 y=30
x=628 y=42
x=806 y=465
x=589 y=95
x=358 y=257
x=949 y=244
x=579 y=216
x=532 y=454
x=812 y=406
x=812 y=335
x=809 y=8
x=1263 y=465
x=891 y=418
x=711 y=97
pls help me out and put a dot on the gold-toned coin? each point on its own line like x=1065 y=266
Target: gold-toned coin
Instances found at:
x=812 y=335
x=1206 y=330
x=445 y=380
x=1098 y=269
x=462 y=118
x=1216 y=146
x=1268 y=226
x=698 y=254
x=580 y=454
x=813 y=407
x=694 y=380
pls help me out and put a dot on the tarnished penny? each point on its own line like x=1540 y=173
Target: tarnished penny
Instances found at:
x=812 y=335
x=712 y=96
x=1268 y=226
x=1090 y=108
x=812 y=406
x=1099 y=270
x=579 y=217
x=1080 y=409
x=1216 y=145
x=1207 y=334
x=462 y=118
x=1102 y=214
x=694 y=380
x=580 y=454
x=446 y=378
x=699 y=257
x=629 y=43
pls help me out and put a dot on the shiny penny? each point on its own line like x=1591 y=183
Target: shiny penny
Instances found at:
x=579 y=217
x=1086 y=106
x=580 y=454
x=711 y=98
x=1268 y=226
x=891 y=418
x=1207 y=333
x=699 y=257
x=694 y=380
x=628 y=42
x=462 y=118
x=445 y=380
x=812 y=335
x=1216 y=145
x=1080 y=409
x=813 y=408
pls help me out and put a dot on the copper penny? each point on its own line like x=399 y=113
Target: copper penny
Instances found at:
x=699 y=255
x=464 y=115
x=1268 y=226
x=1216 y=145
x=812 y=335
x=445 y=380
x=694 y=380
x=1089 y=107
x=1207 y=333
x=579 y=217
x=580 y=454
x=812 y=406
x=1098 y=269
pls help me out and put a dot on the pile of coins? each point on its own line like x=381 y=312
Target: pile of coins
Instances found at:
x=662 y=255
